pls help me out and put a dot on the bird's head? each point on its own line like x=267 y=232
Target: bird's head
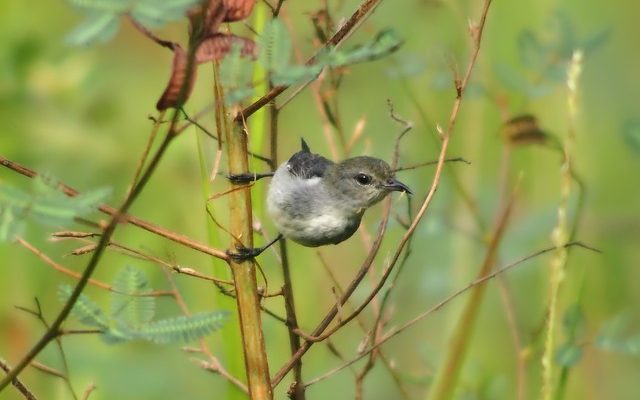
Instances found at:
x=363 y=181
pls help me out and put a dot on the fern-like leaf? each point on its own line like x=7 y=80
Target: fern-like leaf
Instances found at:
x=85 y=309
x=182 y=329
x=98 y=27
x=275 y=46
x=156 y=13
x=10 y=224
x=47 y=206
x=385 y=43
x=128 y=303
x=114 y=6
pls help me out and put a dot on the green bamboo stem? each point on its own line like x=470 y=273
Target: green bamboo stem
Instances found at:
x=244 y=273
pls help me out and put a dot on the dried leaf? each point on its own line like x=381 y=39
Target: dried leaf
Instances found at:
x=217 y=46
x=522 y=130
x=211 y=49
x=238 y=9
x=172 y=96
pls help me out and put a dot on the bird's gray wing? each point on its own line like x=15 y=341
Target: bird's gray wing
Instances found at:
x=307 y=165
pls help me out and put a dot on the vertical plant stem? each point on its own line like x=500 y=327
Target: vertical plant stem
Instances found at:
x=230 y=344
x=561 y=234
x=297 y=391
x=244 y=273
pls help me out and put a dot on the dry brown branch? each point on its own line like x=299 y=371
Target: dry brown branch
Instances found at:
x=17 y=383
x=59 y=267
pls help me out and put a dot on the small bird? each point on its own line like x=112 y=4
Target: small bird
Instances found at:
x=315 y=202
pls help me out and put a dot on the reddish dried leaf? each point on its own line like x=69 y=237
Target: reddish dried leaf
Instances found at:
x=214 y=15
x=217 y=46
x=171 y=96
x=238 y=9
x=522 y=130
x=211 y=49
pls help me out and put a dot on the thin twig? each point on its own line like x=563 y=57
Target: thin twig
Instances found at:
x=63 y=356
x=359 y=15
x=396 y=331
x=173 y=236
x=460 y=86
x=17 y=383
x=52 y=332
x=87 y=392
x=432 y=162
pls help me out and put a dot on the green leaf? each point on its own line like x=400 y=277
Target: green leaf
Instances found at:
x=385 y=43
x=615 y=337
x=98 y=27
x=595 y=40
x=568 y=355
x=85 y=310
x=275 y=47
x=182 y=329
x=629 y=346
x=118 y=333
x=47 y=205
x=13 y=197
x=516 y=81
x=631 y=134
x=56 y=209
x=405 y=67
x=156 y=13
x=235 y=70
x=532 y=53
x=237 y=95
x=295 y=74
x=116 y=6
x=573 y=321
x=127 y=305
x=10 y=224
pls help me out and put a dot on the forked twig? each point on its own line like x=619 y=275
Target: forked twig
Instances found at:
x=396 y=331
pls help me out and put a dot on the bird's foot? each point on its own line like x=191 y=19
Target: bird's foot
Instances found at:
x=247 y=253
x=244 y=253
x=241 y=179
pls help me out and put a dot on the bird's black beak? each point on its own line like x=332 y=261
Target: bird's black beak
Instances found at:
x=395 y=185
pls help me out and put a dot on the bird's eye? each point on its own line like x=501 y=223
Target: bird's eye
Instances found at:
x=363 y=179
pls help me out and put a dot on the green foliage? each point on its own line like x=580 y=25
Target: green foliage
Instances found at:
x=128 y=302
x=182 y=329
x=97 y=27
x=132 y=311
x=631 y=134
x=275 y=47
x=616 y=336
x=568 y=355
x=104 y=16
x=235 y=75
x=406 y=67
x=386 y=42
x=46 y=205
x=570 y=352
x=85 y=309
x=10 y=224
x=545 y=56
x=275 y=52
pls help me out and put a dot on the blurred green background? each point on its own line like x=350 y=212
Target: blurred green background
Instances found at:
x=82 y=115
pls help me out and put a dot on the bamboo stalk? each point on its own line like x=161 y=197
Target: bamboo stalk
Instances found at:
x=244 y=273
